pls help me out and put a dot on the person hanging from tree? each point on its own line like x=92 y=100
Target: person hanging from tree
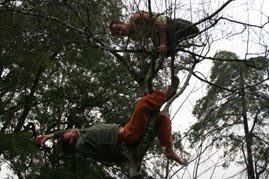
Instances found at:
x=162 y=30
x=103 y=142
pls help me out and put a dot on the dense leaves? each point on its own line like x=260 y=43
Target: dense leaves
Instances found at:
x=50 y=76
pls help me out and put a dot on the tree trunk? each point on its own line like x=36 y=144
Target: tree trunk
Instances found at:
x=136 y=153
x=29 y=101
x=248 y=136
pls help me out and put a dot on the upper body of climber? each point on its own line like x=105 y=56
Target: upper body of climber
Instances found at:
x=101 y=141
x=161 y=29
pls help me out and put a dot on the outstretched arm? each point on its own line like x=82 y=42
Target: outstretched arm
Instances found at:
x=43 y=138
x=144 y=16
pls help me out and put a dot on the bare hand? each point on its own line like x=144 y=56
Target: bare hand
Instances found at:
x=163 y=49
x=41 y=139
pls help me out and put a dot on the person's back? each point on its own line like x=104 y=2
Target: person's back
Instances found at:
x=144 y=28
x=101 y=142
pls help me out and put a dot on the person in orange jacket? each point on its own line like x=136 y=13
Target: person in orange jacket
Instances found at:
x=86 y=143
x=135 y=128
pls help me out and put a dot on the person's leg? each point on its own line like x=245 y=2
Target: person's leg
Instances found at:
x=185 y=29
x=135 y=128
x=164 y=133
x=170 y=37
x=178 y=29
x=166 y=140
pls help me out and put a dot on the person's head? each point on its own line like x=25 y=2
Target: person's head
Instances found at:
x=68 y=141
x=119 y=28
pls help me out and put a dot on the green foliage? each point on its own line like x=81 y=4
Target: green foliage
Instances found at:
x=16 y=144
x=75 y=167
x=52 y=75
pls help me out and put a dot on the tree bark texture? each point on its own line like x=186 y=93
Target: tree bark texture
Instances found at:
x=137 y=152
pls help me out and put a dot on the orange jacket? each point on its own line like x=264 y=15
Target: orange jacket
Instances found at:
x=134 y=129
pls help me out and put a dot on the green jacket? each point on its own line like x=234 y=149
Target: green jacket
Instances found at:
x=100 y=142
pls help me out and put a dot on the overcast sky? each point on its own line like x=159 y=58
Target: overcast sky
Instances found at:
x=254 y=12
x=250 y=43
